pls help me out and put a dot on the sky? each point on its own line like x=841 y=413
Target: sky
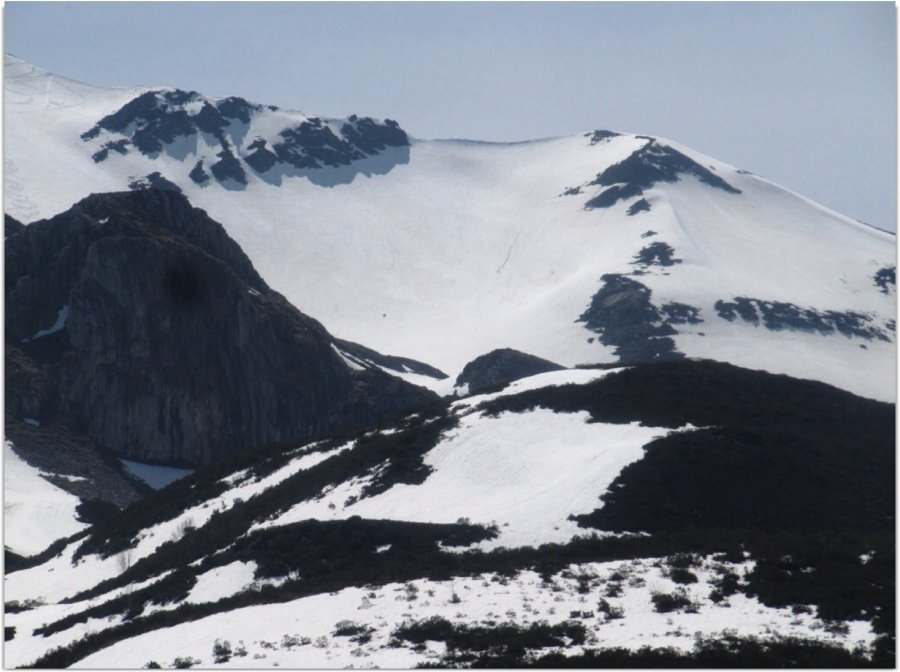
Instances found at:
x=803 y=94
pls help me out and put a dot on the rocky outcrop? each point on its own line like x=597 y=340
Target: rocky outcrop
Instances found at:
x=134 y=320
x=625 y=318
x=501 y=366
x=168 y=120
x=654 y=162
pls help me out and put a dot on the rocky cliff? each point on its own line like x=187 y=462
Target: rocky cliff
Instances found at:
x=136 y=321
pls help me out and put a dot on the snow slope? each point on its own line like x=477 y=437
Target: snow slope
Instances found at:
x=35 y=512
x=301 y=633
x=444 y=250
x=228 y=568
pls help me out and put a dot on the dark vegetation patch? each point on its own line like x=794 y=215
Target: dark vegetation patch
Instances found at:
x=12 y=561
x=775 y=453
x=398 y=456
x=886 y=276
x=642 y=205
x=465 y=643
x=500 y=367
x=93 y=511
x=624 y=317
x=678 y=600
x=15 y=562
x=647 y=166
x=719 y=653
x=428 y=562
x=681 y=575
x=656 y=254
x=323 y=554
x=648 y=233
x=779 y=316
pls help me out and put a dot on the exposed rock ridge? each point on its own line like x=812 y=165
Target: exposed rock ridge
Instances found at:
x=654 y=162
x=501 y=366
x=137 y=322
x=152 y=122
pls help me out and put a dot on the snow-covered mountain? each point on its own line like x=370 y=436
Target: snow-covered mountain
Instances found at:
x=597 y=248
x=618 y=472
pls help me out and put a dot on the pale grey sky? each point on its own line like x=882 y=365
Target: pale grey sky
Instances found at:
x=801 y=93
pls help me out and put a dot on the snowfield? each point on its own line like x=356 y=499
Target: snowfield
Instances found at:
x=35 y=512
x=523 y=473
x=447 y=249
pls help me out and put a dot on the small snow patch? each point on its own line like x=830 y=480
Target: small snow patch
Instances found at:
x=222 y=582
x=61 y=318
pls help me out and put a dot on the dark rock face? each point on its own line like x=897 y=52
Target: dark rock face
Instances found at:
x=154 y=181
x=648 y=165
x=601 y=136
x=134 y=320
x=366 y=357
x=153 y=121
x=11 y=226
x=780 y=316
x=502 y=366
x=625 y=318
x=56 y=450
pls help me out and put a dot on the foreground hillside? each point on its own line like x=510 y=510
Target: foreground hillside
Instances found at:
x=602 y=248
x=572 y=517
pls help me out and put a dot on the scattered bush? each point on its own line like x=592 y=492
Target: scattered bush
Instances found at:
x=682 y=560
x=679 y=575
x=357 y=632
x=222 y=651
x=609 y=610
x=666 y=602
x=184 y=663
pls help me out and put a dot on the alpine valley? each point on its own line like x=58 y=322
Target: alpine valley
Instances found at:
x=598 y=400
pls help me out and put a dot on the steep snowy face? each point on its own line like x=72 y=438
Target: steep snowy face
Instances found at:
x=601 y=248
